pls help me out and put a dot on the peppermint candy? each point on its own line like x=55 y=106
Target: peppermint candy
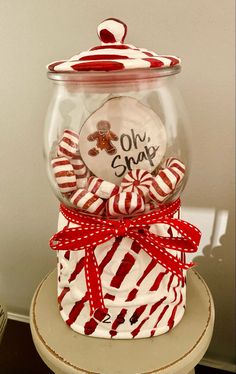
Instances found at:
x=81 y=171
x=64 y=174
x=68 y=145
x=87 y=201
x=82 y=182
x=125 y=203
x=102 y=188
x=150 y=206
x=138 y=181
x=79 y=166
x=172 y=161
x=165 y=183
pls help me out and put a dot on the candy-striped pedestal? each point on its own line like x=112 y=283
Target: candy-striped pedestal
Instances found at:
x=176 y=352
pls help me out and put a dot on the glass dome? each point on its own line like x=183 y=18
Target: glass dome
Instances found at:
x=115 y=139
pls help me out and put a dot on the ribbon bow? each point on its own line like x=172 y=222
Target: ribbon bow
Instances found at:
x=92 y=231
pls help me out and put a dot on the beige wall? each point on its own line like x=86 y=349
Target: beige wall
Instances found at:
x=33 y=33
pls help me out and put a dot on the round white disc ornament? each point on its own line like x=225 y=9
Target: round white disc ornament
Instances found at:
x=120 y=136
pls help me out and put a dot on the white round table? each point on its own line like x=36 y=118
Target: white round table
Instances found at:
x=176 y=352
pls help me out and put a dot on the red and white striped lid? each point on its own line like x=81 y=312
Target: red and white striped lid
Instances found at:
x=113 y=54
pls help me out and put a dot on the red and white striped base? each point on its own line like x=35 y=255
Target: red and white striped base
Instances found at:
x=142 y=297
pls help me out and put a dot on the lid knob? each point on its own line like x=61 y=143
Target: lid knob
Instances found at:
x=112 y=30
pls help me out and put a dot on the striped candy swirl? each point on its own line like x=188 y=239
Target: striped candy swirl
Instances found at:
x=125 y=203
x=64 y=174
x=138 y=181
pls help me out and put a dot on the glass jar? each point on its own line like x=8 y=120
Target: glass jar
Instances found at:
x=144 y=113
x=118 y=159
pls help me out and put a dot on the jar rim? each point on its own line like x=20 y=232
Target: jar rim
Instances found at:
x=113 y=77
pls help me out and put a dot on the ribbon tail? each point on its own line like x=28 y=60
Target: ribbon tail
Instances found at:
x=94 y=287
x=186 y=230
x=78 y=238
x=171 y=263
x=175 y=243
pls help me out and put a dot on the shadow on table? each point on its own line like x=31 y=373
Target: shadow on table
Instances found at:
x=216 y=264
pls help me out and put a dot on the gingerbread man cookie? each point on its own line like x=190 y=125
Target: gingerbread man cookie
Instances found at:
x=103 y=137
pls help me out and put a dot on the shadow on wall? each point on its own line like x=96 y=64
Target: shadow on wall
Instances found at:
x=215 y=262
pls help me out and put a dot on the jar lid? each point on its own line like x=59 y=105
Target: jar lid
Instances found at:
x=113 y=54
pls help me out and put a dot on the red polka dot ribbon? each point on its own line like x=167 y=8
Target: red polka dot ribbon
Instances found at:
x=92 y=231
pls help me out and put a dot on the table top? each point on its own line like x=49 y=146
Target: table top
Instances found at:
x=177 y=351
